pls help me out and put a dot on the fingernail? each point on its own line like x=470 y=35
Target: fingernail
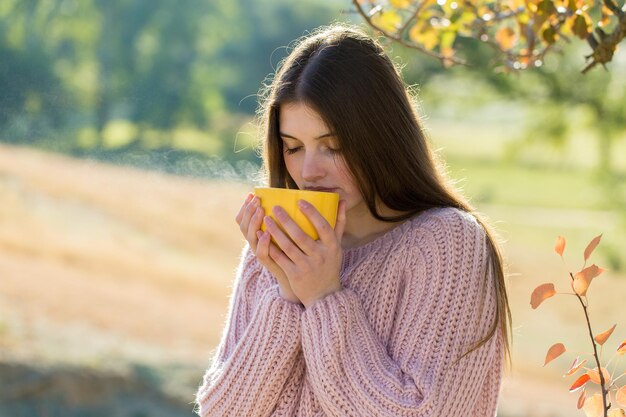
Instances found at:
x=303 y=204
x=268 y=220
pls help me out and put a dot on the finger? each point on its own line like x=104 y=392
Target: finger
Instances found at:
x=243 y=207
x=301 y=239
x=247 y=215
x=284 y=243
x=324 y=229
x=279 y=257
x=262 y=250
x=254 y=225
x=263 y=253
x=340 y=225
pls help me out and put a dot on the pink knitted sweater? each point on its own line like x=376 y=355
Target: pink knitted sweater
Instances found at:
x=382 y=346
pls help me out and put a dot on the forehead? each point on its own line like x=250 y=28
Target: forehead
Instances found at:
x=301 y=121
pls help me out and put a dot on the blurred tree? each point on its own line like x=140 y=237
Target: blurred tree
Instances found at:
x=32 y=99
x=156 y=68
x=522 y=32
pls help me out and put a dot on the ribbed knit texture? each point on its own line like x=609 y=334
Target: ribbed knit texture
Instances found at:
x=413 y=301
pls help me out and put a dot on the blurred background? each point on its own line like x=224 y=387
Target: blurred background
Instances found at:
x=127 y=145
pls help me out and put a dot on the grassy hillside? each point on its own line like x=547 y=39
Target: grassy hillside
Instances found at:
x=114 y=284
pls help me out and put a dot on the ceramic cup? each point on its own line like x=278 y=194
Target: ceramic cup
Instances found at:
x=325 y=202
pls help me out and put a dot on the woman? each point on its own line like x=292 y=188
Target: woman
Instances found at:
x=401 y=310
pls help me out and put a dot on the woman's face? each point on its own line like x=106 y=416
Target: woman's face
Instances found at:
x=312 y=155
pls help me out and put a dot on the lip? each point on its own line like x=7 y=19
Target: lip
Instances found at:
x=328 y=190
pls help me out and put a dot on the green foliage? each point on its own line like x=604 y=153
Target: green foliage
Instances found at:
x=32 y=98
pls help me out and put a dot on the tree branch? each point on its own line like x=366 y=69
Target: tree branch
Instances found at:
x=595 y=354
x=610 y=4
x=399 y=39
x=605 y=48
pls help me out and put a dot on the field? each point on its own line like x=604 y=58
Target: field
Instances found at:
x=114 y=282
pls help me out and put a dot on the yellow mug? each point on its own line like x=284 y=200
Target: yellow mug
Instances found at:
x=325 y=202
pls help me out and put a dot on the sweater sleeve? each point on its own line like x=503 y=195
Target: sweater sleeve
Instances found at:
x=448 y=303
x=258 y=349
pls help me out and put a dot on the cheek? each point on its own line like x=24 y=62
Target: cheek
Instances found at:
x=293 y=169
x=344 y=173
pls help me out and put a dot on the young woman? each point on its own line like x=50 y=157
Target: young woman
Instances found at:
x=401 y=309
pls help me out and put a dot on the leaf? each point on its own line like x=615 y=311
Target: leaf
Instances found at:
x=620 y=396
x=595 y=376
x=581 y=399
x=591 y=246
x=616 y=412
x=559 y=247
x=549 y=35
x=541 y=293
x=554 y=352
x=387 y=21
x=606 y=16
x=400 y=4
x=580 y=27
x=428 y=38
x=575 y=367
x=546 y=7
x=621 y=349
x=593 y=406
x=601 y=338
x=506 y=37
x=579 y=383
x=447 y=40
x=582 y=279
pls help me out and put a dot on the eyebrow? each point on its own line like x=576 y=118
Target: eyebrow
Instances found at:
x=325 y=135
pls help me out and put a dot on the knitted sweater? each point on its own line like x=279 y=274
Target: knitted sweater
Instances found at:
x=382 y=346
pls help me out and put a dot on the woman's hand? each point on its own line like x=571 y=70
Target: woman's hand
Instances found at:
x=249 y=219
x=312 y=266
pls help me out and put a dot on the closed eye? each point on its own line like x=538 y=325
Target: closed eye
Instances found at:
x=290 y=151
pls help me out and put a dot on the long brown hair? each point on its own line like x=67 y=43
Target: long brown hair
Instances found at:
x=346 y=77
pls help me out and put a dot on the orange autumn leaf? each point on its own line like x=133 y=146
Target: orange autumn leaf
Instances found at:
x=620 y=396
x=506 y=37
x=582 y=279
x=593 y=406
x=559 y=247
x=575 y=367
x=595 y=376
x=542 y=292
x=591 y=246
x=581 y=400
x=621 y=349
x=602 y=337
x=616 y=412
x=554 y=352
x=579 y=383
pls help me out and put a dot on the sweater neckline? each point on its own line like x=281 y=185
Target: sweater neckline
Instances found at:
x=352 y=255
x=390 y=236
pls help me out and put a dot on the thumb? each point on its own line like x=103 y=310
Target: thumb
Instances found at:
x=340 y=225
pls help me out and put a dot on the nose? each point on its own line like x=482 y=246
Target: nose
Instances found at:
x=312 y=168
